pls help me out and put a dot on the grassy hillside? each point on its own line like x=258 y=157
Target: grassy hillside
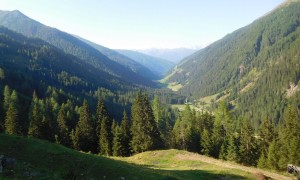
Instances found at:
x=40 y=159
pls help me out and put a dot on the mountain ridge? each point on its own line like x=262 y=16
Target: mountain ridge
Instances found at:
x=20 y=23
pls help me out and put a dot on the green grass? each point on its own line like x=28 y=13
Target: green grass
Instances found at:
x=40 y=159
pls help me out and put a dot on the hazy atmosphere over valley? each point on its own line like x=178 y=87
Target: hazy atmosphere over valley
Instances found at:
x=128 y=89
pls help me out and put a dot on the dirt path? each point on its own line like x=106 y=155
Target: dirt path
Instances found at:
x=231 y=165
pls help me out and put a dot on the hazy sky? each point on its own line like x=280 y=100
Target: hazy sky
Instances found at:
x=140 y=24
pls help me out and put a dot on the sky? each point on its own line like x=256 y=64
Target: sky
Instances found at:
x=145 y=24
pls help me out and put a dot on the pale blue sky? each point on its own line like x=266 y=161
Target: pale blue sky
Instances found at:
x=140 y=24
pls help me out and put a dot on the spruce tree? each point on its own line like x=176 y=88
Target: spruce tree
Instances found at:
x=145 y=134
x=12 y=122
x=6 y=97
x=105 y=138
x=125 y=135
x=101 y=112
x=206 y=143
x=12 y=125
x=272 y=156
x=84 y=135
x=63 y=130
x=232 y=149
x=35 y=118
x=105 y=130
x=267 y=135
x=247 y=149
x=117 y=141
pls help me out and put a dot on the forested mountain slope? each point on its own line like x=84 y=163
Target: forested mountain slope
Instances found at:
x=20 y=23
x=257 y=66
x=32 y=64
x=157 y=65
x=126 y=61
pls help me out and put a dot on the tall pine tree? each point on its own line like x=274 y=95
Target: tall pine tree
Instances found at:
x=145 y=134
x=12 y=122
x=84 y=135
x=35 y=118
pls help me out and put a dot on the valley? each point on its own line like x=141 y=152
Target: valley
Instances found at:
x=230 y=110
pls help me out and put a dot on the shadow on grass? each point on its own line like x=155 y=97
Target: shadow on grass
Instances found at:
x=38 y=159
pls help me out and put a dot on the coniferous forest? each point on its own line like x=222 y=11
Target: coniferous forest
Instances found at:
x=56 y=87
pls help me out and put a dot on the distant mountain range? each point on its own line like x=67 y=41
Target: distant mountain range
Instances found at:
x=133 y=64
x=173 y=55
x=157 y=65
x=255 y=67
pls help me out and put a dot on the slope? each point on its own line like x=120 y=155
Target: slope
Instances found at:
x=254 y=65
x=20 y=23
x=128 y=62
x=157 y=65
x=174 y=55
x=40 y=159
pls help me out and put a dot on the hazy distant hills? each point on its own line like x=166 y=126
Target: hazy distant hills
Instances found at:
x=20 y=23
x=133 y=64
x=173 y=55
x=157 y=65
x=256 y=67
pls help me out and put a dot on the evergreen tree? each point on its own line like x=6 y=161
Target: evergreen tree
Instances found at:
x=48 y=125
x=262 y=161
x=206 y=143
x=84 y=135
x=183 y=129
x=289 y=139
x=101 y=112
x=117 y=142
x=6 y=97
x=62 y=128
x=272 y=157
x=145 y=134
x=105 y=129
x=105 y=141
x=35 y=117
x=125 y=135
x=266 y=134
x=232 y=149
x=12 y=125
x=247 y=148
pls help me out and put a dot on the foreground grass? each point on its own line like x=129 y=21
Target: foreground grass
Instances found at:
x=38 y=159
x=180 y=165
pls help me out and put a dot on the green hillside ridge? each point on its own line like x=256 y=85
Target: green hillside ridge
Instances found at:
x=40 y=159
x=256 y=64
x=20 y=23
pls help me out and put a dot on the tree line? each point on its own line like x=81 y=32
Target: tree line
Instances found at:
x=151 y=125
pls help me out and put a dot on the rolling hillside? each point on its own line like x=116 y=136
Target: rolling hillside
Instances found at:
x=40 y=159
x=20 y=23
x=256 y=67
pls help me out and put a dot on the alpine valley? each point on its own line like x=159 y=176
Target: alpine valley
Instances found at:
x=71 y=108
